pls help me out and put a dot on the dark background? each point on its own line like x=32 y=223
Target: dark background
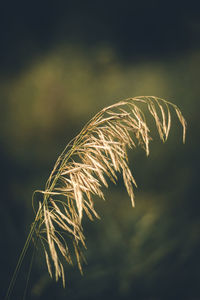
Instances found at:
x=62 y=61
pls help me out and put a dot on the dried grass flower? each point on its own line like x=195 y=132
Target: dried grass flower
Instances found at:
x=95 y=156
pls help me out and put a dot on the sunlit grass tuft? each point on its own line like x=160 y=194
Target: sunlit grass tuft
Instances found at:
x=95 y=156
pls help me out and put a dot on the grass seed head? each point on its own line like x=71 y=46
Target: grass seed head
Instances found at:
x=97 y=152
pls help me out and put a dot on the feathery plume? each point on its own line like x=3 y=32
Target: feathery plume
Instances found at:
x=92 y=158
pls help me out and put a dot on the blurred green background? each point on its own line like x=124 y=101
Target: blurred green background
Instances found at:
x=61 y=62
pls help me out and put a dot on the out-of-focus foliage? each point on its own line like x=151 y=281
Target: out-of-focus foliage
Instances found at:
x=136 y=29
x=150 y=252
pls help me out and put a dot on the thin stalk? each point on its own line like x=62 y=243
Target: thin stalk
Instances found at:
x=29 y=271
x=19 y=263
